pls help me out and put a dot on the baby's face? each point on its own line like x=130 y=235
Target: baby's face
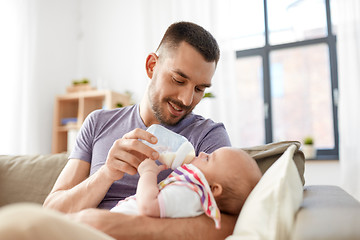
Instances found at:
x=217 y=162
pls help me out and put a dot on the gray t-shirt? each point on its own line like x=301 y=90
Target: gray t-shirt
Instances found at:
x=102 y=127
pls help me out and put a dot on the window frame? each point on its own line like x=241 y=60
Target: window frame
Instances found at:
x=264 y=53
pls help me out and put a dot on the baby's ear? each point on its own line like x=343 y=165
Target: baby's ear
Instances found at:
x=216 y=189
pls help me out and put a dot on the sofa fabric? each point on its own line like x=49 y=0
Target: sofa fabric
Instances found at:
x=327 y=213
x=266 y=155
x=29 y=178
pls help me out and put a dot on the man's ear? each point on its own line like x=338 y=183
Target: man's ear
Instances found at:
x=151 y=61
x=216 y=189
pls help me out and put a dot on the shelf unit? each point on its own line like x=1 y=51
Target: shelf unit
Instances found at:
x=79 y=105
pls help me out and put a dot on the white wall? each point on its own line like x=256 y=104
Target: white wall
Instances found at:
x=322 y=172
x=54 y=65
x=112 y=55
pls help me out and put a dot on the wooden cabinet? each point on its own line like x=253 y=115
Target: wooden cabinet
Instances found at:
x=71 y=110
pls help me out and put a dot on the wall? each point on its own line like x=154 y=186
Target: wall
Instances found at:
x=322 y=172
x=54 y=65
x=112 y=54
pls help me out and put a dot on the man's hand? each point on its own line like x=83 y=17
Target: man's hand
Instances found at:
x=128 y=152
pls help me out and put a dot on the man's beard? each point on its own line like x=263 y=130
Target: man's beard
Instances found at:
x=160 y=115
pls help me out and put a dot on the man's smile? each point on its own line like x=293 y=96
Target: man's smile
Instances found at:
x=175 y=109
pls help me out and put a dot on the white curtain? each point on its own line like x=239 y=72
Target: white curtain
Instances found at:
x=349 y=93
x=16 y=88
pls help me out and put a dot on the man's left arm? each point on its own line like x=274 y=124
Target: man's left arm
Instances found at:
x=122 y=226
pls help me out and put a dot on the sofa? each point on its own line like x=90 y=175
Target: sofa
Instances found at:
x=326 y=212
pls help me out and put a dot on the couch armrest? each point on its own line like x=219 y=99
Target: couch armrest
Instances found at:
x=327 y=212
x=29 y=178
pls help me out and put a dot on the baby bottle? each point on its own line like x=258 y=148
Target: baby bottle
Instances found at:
x=174 y=149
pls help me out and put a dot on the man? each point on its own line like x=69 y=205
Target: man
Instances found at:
x=103 y=166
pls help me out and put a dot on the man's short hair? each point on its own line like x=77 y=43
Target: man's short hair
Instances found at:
x=194 y=35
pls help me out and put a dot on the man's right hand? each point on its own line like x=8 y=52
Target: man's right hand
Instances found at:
x=128 y=152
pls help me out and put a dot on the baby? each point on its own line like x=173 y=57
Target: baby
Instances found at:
x=220 y=181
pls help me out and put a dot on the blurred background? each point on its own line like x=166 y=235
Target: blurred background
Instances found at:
x=289 y=69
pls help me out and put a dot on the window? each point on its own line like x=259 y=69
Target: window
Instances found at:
x=287 y=74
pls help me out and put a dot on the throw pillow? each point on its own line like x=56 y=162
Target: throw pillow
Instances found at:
x=269 y=211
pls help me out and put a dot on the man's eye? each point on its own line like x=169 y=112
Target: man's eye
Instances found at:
x=200 y=89
x=177 y=81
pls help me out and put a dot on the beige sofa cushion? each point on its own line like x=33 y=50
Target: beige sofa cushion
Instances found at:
x=266 y=155
x=28 y=178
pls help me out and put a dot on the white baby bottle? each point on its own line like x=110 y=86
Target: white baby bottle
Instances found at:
x=174 y=149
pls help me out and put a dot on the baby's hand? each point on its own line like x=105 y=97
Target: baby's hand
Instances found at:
x=149 y=165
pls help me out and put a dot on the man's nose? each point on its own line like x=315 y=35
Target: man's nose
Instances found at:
x=186 y=96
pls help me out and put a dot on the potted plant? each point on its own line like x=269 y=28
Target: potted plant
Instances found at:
x=209 y=95
x=80 y=85
x=308 y=148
